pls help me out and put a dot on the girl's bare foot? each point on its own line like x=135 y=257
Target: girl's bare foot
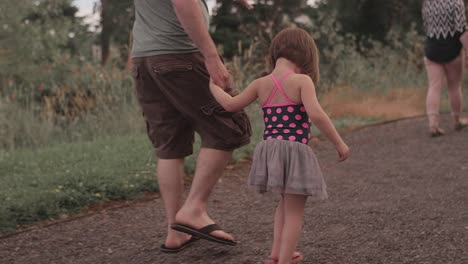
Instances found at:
x=296 y=258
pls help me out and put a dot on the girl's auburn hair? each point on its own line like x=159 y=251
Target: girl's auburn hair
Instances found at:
x=299 y=47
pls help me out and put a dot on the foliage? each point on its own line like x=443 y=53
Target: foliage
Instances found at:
x=41 y=31
x=236 y=27
x=68 y=102
x=34 y=37
x=116 y=22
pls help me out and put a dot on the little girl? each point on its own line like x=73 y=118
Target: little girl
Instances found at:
x=283 y=162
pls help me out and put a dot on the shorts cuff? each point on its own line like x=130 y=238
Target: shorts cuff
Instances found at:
x=172 y=155
x=224 y=147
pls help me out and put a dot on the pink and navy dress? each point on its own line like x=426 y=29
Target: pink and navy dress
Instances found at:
x=283 y=162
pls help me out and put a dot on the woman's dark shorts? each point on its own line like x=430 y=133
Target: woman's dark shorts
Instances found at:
x=443 y=50
x=173 y=91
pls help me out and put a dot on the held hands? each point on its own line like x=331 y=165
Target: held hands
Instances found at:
x=343 y=151
x=213 y=86
x=218 y=73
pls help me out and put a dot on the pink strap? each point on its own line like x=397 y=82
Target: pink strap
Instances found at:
x=278 y=88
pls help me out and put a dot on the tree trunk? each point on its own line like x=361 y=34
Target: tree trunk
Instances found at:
x=106 y=23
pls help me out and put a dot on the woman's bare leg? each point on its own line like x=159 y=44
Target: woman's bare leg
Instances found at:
x=435 y=76
x=454 y=73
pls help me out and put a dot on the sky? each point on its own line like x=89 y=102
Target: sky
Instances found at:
x=85 y=9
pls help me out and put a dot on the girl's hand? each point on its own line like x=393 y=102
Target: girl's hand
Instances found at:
x=343 y=152
x=213 y=86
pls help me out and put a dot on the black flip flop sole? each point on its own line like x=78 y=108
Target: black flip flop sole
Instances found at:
x=195 y=232
x=168 y=250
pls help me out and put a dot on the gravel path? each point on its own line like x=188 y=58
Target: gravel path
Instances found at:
x=401 y=198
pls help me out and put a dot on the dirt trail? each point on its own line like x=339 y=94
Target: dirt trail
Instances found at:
x=401 y=198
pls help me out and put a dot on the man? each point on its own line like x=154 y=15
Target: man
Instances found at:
x=173 y=59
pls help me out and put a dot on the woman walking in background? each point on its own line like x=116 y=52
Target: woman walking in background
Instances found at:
x=445 y=26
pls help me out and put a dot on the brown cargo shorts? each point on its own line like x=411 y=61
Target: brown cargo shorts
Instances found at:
x=173 y=91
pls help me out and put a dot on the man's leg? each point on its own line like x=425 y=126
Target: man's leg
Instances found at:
x=171 y=185
x=172 y=136
x=185 y=83
x=210 y=166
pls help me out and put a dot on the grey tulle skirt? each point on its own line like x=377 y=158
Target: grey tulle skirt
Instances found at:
x=290 y=167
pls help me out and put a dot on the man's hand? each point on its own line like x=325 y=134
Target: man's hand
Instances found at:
x=217 y=70
x=245 y=4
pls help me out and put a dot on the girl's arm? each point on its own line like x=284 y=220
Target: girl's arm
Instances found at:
x=238 y=102
x=319 y=117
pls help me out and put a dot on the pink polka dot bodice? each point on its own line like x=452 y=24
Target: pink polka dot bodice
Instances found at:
x=285 y=121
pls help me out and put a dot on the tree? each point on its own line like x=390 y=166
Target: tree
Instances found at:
x=373 y=19
x=36 y=36
x=116 y=22
x=233 y=24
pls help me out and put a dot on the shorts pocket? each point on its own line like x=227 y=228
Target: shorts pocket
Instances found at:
x=213 y=108
x=172 y=66
x=231 y=123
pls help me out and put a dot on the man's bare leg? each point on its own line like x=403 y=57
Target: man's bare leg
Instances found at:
x=171 y=186
x=210 y=166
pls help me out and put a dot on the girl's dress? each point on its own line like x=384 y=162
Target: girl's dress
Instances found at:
x=283 y=162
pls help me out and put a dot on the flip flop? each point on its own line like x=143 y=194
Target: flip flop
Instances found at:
x=296 y=259
x=172 y=250
x=204 y=233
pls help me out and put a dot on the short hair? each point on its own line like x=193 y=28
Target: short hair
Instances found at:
x=298 y=46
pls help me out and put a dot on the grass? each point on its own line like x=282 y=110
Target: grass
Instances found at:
x=50 y=181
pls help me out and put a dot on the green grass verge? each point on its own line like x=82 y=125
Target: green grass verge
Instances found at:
x=44 y=183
